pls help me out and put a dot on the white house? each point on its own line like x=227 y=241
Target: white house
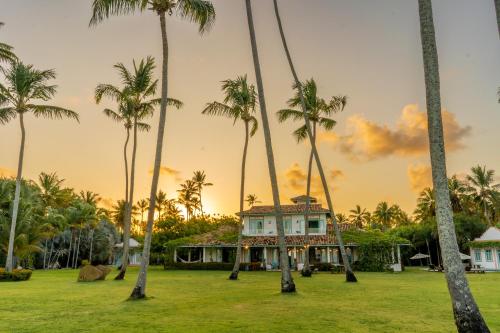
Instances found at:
x=135 y=255
x=260 y=241
x=485 y=250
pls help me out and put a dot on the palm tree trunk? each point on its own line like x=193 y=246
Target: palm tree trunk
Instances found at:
x=50 y=253
x=139 y=290
x=17 y=195
x=77 y=248
x=69 y=250
x=91 y=245
x=128 y=213
x=350 y=277
x=287 y=284
x=45 y=249
x=497 y=7
x=466 y=312
x=306 y=271
x=237 y=260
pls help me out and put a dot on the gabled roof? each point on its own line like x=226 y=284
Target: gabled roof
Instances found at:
x=132 y=243
x=303 y=198
x=286 y=210
x=492 y=234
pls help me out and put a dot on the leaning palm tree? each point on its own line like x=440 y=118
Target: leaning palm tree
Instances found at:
x=239 y=104
x=466 y=312
x=483 y=189
x=197 y=11
x=350 y=277
x=287 y=284
x=6 y=53
x=200 y=179
x=24 y=86
x=497 y=9
x=138 y=97
x=318 y=112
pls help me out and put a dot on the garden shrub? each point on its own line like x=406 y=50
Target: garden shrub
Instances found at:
x=15 y=275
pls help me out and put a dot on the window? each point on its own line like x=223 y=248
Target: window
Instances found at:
x=314 y=224
x=256 y=225
x=488 y=254
x=477 y=253
x=288 y=225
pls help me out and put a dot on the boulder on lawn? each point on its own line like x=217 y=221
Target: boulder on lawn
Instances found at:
x=105 y=271
x=89 y=273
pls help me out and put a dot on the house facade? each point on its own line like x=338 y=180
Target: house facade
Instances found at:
x=485 y=250
x=260 y=239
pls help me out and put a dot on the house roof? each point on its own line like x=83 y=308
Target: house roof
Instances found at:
x=214 y=238
x=286 y=210
x=303 y=198
x=132 y=243
x=491 y=234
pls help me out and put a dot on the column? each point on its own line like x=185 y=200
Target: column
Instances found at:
x=328 y=259
x=203 y=259
x=175 y=255
x=189 y=255
x=265 y=256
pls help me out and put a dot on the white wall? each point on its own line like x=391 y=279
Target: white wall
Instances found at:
x=494 y=264
x=297 y=225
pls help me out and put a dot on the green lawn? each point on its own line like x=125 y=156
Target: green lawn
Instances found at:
x=202 y=301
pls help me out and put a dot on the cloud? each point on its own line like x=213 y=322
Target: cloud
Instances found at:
x=7 y=173
x=420 y=177
x=296 y=180
x=107 y=203
x=368 y=140
x=167 y=171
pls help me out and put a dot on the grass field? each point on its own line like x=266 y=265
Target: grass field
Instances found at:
x=203 y=301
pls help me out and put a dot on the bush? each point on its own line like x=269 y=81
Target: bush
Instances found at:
x=216 y=266
x=323 y=266
x=16 y=275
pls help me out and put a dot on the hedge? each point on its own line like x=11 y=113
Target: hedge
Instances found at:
x=15 y=275
x=484 y=244
x=214 y=266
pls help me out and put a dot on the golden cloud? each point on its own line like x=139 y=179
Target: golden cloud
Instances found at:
x=296 y=180
x=368 y=140
x=167 y=171
x=420 y=177
x=106 y=203
x=6 y=173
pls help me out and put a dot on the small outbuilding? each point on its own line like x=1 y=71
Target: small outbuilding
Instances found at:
x=135 y=253
x=485 y=250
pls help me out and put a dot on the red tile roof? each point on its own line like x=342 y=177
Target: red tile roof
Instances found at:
x=286 y=209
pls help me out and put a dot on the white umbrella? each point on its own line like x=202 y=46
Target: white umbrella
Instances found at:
x=419 y=256
x=464 y=256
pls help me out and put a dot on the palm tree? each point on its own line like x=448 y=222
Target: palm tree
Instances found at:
x=25 y=85
x=350 y=277
x=497 y=8
x=6 y=53
x=359 y=217
x=466 y=312
x=161 y=202
x=188 y=197
x=252 y=200
x=239 y=104
x=287 y=284
x=137 y=98
x=342 y=218
x=142 y=206
x=199 y=178
x=318 y=112
x=483 y=190
x=197 y=11
x=386 y=215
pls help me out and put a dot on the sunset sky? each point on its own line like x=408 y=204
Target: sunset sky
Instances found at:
x=367 y=50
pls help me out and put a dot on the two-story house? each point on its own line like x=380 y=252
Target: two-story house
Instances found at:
x=260 y=238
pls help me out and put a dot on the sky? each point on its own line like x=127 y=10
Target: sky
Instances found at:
x=367 y=50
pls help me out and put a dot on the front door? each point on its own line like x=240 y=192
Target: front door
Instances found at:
x=256 y=255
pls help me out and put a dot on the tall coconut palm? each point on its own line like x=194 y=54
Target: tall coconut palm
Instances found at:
x=466 y=312
x=240 y=102
x=188 y=197
x=6 y=53
x=200 y=179
x=252 y=199
x=197 y=11
x=24 y=86
x=497 y=9
x=138 y=96
x=142 y=206
x=359 y=216
x=386 y=215
x=318 y=112
x=350 y=277
x=287 y=284
x=483 y=189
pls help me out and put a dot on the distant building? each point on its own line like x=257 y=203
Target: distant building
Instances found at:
x=485 y=250
x=135 y=253
x=260 y=241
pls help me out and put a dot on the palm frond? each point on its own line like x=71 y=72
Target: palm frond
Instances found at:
x=219 y=109
x=52 y=112
x=300 y=133
x=113 y=115
x=107 y=90
x=286 y=114
x=7 y=114
x=103 y=9
x=327 y=123
x=255 y=125
x=197 y=11
x=143 y=127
